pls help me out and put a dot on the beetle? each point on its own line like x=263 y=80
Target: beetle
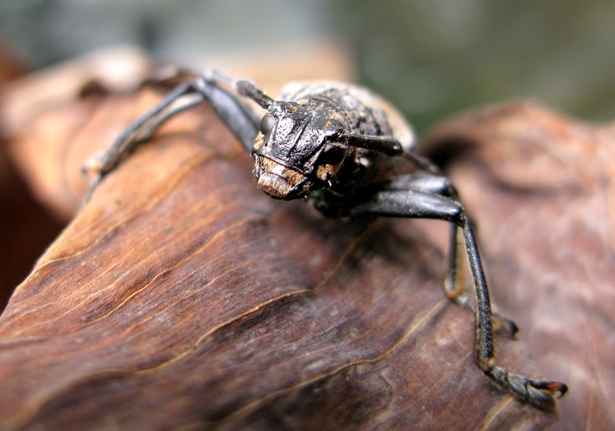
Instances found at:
x=336 y=145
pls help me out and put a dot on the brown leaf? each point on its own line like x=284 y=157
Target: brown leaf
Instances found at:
x=541 y=189
x=182 y=296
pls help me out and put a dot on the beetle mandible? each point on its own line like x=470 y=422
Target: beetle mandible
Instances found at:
x=333 y=144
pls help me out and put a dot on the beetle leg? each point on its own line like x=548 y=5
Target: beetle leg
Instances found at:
x=454 y=286
x=419 y=204
x=239 y=118
x=440 y=185
x=454 y=281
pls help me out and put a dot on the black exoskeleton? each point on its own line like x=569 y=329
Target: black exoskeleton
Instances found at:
x=335 y=144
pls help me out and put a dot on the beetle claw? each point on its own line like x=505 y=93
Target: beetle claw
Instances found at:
x=539 y=393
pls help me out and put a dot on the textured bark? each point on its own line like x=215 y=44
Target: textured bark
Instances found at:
x=540 y=186
x=181 y=296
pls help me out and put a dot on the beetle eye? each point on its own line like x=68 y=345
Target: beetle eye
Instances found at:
x=267 y=124
x=332 y=155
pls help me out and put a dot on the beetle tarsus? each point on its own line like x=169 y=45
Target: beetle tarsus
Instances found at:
x=539 y=393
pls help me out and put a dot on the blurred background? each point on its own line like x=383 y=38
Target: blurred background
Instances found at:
x=431 y=58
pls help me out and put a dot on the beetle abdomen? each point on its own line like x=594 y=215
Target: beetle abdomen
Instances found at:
x=365 y=112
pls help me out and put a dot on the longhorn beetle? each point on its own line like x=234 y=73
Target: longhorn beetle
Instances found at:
x=334 y=144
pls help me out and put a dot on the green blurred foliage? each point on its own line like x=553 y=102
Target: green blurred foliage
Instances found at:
x=431 y=58
x=435 y=57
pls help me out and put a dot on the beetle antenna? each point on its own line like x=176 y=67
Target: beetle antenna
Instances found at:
x=383 y=144
x=248 y=89
x=244 y=87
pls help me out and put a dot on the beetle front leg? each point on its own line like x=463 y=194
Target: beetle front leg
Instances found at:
x=98 y=166
x=417 y=204
x=239 y=118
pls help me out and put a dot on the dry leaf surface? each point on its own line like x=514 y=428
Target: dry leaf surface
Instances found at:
x=181 y=296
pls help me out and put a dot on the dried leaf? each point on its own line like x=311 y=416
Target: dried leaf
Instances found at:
x=540 y=187
x=181 y=296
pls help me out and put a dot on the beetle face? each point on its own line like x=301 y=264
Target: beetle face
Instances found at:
x=298 y=149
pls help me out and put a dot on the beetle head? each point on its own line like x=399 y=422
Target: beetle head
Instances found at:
x=299 y=149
